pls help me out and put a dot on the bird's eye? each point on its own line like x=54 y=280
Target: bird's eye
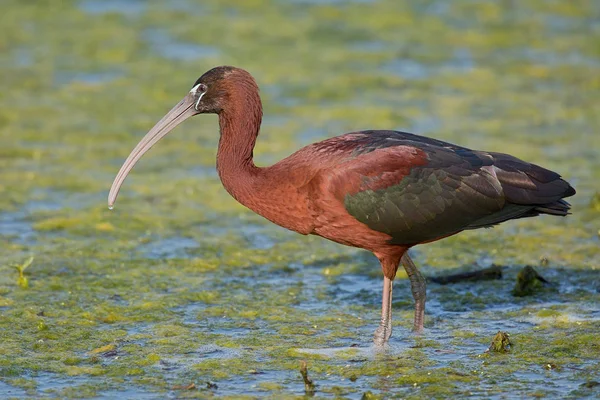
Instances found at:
x=199 y=88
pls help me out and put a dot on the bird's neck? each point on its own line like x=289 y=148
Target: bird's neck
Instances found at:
x=270 y=192
x=239 y=124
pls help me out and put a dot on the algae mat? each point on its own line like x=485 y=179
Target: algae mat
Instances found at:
x=180 y=292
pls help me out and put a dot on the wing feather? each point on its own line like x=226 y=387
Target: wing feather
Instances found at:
x=417 y=189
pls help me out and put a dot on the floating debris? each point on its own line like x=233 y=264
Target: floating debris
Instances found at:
x=191 y=386
x=501 y=343
x=493 y=272
x=590 y=384
x=42 y=326
x=104 y=349
x=552 y=367
x=369 y=396
x=309 y=386
x=528 y=282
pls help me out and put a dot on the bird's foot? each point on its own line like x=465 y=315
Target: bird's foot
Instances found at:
x=382 y=334
x=418 y=330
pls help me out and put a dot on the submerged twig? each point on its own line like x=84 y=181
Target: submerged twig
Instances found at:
x=309 y=386
x=493 y=272
x=190 y=386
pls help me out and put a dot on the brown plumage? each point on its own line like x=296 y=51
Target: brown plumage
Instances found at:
x=383 y=191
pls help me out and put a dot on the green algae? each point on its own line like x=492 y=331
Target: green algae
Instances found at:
x=528 y=282
x=22 y=280
x=501 y=343
x=115 y=307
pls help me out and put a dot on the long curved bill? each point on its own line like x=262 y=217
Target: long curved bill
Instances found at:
x=177 y=115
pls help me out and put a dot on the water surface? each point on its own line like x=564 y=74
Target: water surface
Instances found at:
x=180 y=285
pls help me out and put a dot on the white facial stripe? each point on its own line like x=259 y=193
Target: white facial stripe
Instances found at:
x=198 y=101
x=195 y=89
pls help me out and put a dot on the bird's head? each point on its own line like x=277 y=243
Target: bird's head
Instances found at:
x=215 y=90
x=218 y=89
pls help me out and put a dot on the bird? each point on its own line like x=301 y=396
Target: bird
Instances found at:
x=384 y=191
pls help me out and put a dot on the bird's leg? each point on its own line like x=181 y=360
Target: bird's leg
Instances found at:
x=384 y=331
x=417 y=286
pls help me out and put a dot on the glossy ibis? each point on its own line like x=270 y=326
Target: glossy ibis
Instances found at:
x=383 y=191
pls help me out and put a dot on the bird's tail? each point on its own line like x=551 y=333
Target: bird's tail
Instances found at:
x=528 y=184
x=529 y=190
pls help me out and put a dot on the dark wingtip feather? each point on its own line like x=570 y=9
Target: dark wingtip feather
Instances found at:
x=570 y=192
x=529 y=184
x=559 y=207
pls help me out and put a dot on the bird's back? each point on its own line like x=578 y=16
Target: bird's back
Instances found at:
x=417 y=189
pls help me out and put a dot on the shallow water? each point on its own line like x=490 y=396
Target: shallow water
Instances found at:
x=162 y=44
x=129 y=7
x=180 y=285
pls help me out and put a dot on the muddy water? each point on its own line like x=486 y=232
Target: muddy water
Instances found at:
x=180 y=285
